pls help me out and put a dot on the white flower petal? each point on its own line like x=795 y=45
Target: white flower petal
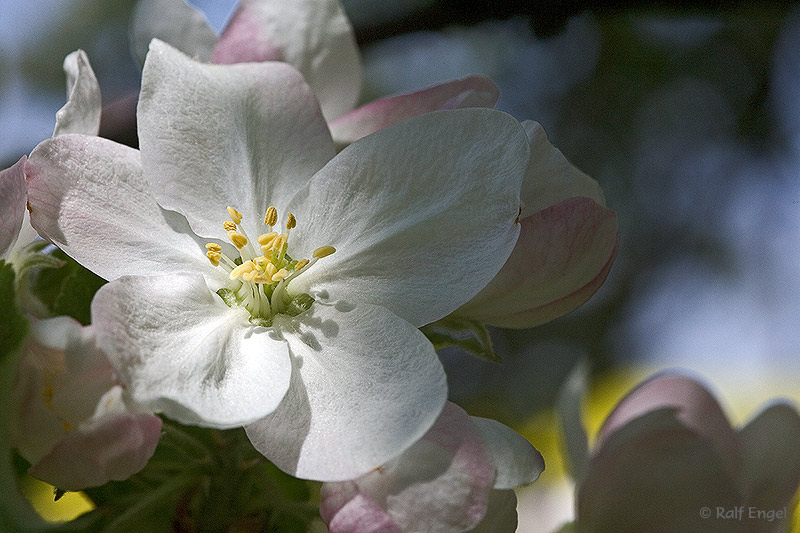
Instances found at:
x=81 y=113
x=87 y=196
x=551 y=178
x=515 y=460
x=249 y=136
x=433 y=198
x=12 y=209
x=441 y=484
x=473 y=91
x=366 y=386
x=314 y=36
x=175 y=22
x=181 y=351
x=563 y=255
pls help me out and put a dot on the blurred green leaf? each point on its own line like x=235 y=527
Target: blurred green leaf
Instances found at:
x=461 y=333
x=67 y=290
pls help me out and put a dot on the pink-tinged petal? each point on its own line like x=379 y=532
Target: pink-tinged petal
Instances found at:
x=175 y=22
x=366 y=385
x=441 y=484
x=473 y=91
x=87 y=195
x=181 y=351
x=656 y=474
x=34 y=428
x=551 y=178
x=345 y=510
x=436 y=194
x=562 y=257
x=12 y=209
x=694 y=407
x=81 y=113
x=250 y=136
x=771 y=468
x=314 y=36
x=112 y=448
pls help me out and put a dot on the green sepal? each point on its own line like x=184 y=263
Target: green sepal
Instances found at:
x=461 y=333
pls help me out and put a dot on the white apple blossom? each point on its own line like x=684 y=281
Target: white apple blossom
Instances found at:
x=222 y=323
x=569 y=237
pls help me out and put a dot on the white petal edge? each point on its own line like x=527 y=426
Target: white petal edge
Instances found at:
x=173 y=21
x=182 y=352
x=12 y=211
x=87 y=196
x=550 y=177
x=315 y=36
x=515 y=459
x=422 y=214
x=250 y=136
x=366 y=386
x=81 y=113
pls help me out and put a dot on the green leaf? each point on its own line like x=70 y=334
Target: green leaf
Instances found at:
x=67 y=290
x=461 y=333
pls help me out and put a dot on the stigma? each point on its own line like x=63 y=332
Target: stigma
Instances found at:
x=260 y=274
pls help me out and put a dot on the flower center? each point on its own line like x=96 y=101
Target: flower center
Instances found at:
x=259 y=281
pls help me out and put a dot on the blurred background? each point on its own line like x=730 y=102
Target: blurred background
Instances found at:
x=689 y=119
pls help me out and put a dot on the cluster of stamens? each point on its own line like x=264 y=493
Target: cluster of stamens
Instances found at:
x=262 y=277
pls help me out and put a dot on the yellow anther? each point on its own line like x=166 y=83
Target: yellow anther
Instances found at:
x=236 y=216
x=214 y=247
x=237 y=272
x=270 y=270
x=279 y=275
x=300 y=264
x=248 y=276
x=271 y=218
x=261 y=278
x=265 y=239
x=214 y=257
x=291 y=222
x=267 y=250
x=323 y=251
x=261 y=263
x=280 y=242
x=238 y=240
x=229 y=226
